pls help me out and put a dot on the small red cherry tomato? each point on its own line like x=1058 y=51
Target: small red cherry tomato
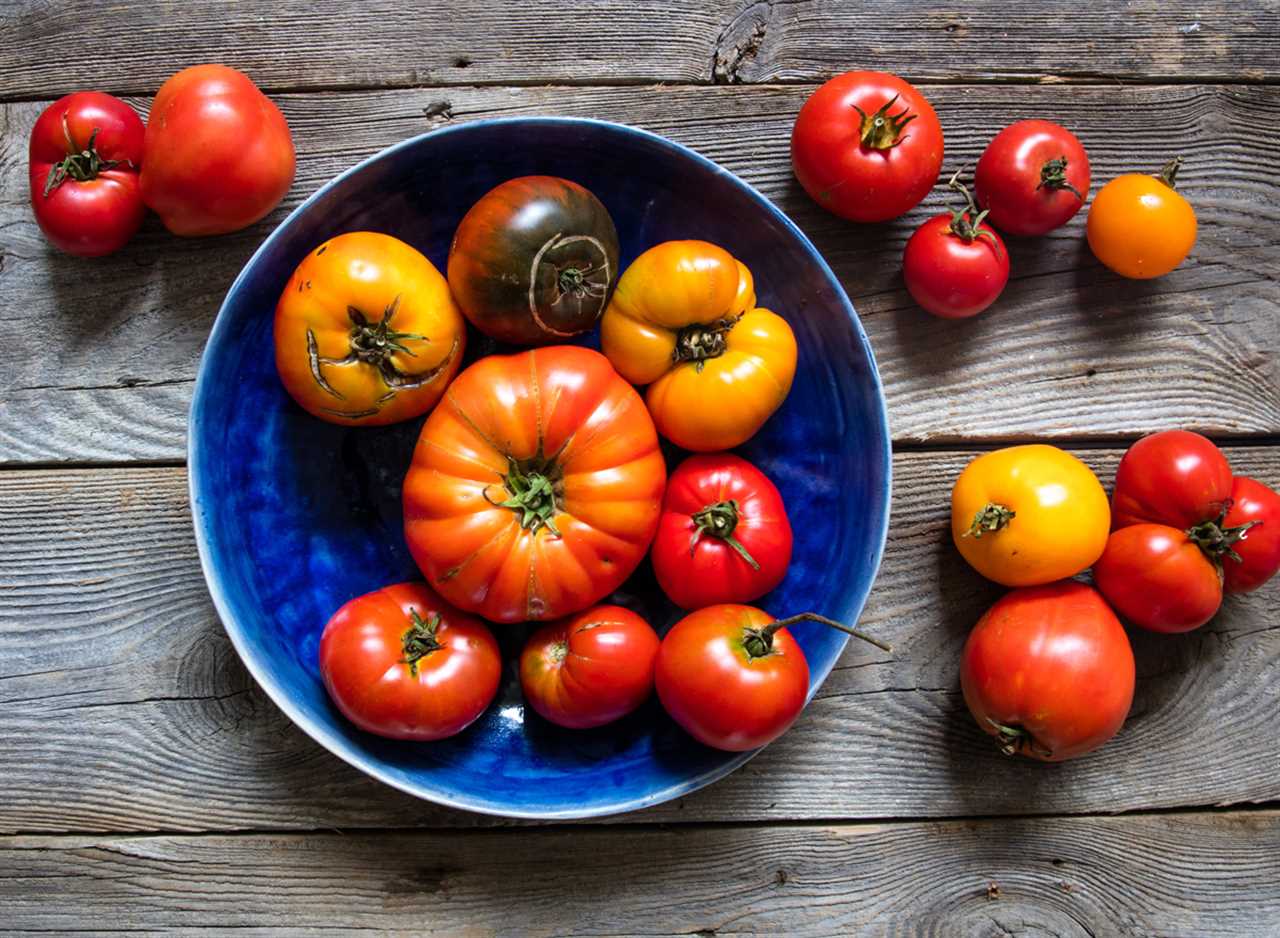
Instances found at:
x=723 y=535
x=1159 y=578
x=403 y=663
x=85 y=154
x=590 y=669
x=1174 y=477
x=867 y=146
x=1032 y=178
x=1254 y=555
x=733 y=677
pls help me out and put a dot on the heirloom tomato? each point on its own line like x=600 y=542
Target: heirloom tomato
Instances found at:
x=1173 y=477
x=366 y=332
x=1139 y=226
x=532 y=262
x=218 y=152
x=85 y=154
x=590 y=669
x=734 y=677
x=402 y=663
x=1253 y=523
x=684 y=321
x=1032 y=178
x=724 y=535
x=867 y=146
x=1049 y=672
x=536 y=485
x=1027 y=515
x=1159 y=578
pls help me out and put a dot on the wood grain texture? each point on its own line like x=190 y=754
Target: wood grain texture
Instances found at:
x=98 y=358
x=1200 y=875
x=123 y=706
x=297 y=44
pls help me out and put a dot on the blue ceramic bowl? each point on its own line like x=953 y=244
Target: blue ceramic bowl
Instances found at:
x=294 y=516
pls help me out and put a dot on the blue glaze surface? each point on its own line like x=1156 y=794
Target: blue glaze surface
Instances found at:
x=294 y=516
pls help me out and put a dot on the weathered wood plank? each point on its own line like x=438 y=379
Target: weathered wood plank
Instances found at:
x=1199 y=875
x=97 y=358
x=294 y=44
x=123 y=706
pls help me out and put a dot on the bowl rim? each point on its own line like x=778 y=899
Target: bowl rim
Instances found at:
x=334 y=742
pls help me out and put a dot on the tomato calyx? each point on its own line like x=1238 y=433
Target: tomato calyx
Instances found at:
x=703 y=340
x=535 y=488
x=1169 y=172
x=720 y=520
x=990 y=519
x=758 y=642
x=1015 y=739
x=966 y=222
x=1053 y=175
x=1218 y=541
x=79 y=165
x=419 y=640
x=883 y=130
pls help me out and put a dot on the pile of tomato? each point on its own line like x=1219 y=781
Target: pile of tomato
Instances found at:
x=538 y=485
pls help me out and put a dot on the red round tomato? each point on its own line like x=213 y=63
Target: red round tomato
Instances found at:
x=218 y=152
x=1254 y=520
x=723 y=536
x=591 y=669
x=867 y=146
x=1159 y=578
x=955 y=266
x=1032 y=177
x=1174 y=477
x=401 y=662
x=733 y=677
x=1048 y=671
x=85 y=154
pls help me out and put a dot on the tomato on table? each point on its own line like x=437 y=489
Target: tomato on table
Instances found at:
x=724 y=536
x=1159 y=578
x=684 y=321
x=591 y=669
x=366 y=332
x=535 y=486
x=218 y=152
x=403 y=663
x=867 y=146
x=1253 y=556
x=1032 y=178
x=734 y=677
x=1049 y=672
x=1140 y=226
x=1028 y=515
x=84 y=157
x=1173 y=477
x=533 y=261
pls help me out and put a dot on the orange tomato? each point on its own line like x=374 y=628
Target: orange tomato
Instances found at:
x=1139 y=226
x=366 y=331
x=535 y=487
x=684 y=321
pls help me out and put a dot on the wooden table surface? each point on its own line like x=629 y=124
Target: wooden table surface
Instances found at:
x=148 y=785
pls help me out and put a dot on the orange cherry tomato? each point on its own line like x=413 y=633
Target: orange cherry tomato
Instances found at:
x=536 y=485
x=1139 y=226
x=366 y=331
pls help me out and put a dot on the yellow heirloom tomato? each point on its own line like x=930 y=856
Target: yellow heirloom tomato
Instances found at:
x=1029 y=515
x=684 y=321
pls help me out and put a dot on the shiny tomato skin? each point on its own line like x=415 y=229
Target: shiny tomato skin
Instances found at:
x=363 y=664
x=709 y=570
x=1010 y=179
x=1173 y=477
x=218 y=152
x=950 y=276
x=1052 y=665
x=855 y=180
x=1259 y=547
x=719 y=693
x=1158 y=578
x=533 y=261
x=1140 y=226
x=591 y=669
x=96 y=216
